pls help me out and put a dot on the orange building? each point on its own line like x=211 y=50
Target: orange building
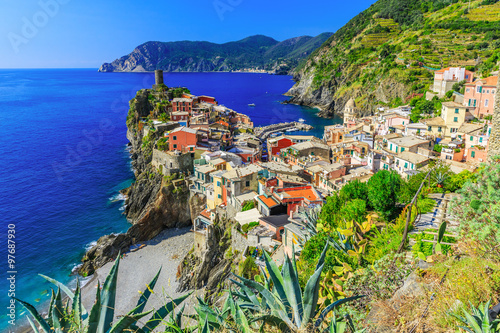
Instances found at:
x=182 y=139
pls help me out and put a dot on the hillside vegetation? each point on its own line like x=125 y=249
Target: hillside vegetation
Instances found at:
x=255 y=52
x=388 y=53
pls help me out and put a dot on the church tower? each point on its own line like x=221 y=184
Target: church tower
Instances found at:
x=350 y=111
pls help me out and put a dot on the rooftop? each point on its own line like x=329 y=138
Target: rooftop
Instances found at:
x=248 y=216
x=453 y=105
x=270 y=202
x=307 y=193
x=184 y=129
x=204 y=168
x=276 y=220
x=469 y=128
x=412 y=157
x=309 y=145
x=408 y=141
x=436 y=121
x=182 y=100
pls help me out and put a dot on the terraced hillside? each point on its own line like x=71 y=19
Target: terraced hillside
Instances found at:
x=387 y=54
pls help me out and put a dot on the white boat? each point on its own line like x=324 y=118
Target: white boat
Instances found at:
x=251 y=104
x=301 y=120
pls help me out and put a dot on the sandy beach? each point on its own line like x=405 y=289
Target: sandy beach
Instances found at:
x=138 y=268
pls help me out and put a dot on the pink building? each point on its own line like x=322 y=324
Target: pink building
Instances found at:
x=480 y=94
x=477 y=153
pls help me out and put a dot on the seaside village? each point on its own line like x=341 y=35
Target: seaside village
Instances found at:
x=263 y=177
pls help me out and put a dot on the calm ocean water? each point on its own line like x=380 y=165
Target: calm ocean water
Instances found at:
x=64 y=158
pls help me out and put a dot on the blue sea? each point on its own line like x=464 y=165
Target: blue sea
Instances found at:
x=64 y=159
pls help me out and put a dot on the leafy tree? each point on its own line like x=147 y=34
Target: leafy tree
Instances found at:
x=331 y=208
x=354 y=190
x=383 y=188
x=354 y=210
x=409 y=188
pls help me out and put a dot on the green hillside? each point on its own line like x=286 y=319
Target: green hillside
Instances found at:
x=388 y=53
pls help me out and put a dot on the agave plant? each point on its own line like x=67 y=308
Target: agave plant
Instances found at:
x=100 y=319
x=341 y=326
x=285 y=305
x=479 y=321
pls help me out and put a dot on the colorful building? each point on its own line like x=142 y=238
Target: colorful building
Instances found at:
x=480 y=95
x=182 y=139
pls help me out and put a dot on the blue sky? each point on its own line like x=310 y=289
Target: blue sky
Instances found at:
x=84 y=34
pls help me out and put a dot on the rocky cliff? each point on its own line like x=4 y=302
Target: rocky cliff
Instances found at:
x=253 y=52
x=153 y=202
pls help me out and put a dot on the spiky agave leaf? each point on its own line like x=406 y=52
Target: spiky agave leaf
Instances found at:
x=77 y=305
x=108 y=297
x=332 y=306
x=141 y=303
x=36 y=316
x=293 y=291
x=93 y=319
x=159 y=315
x=311 y=291
x=57 y=314
x=126 y=321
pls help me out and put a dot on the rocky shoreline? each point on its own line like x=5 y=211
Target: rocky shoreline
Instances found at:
x=153 y=203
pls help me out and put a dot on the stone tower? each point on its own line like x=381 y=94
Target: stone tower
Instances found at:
x=350 y=111
x=158 y=77
x=494 y=142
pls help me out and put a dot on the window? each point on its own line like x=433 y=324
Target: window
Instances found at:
x=174 y=138
x=248 y=159
x=402 y=149
x=247 y=183
x=479 y=89
x=455 y=119
x=175 y=146
x=488 y=91
x=429 y=128
x=467 y=90
x=406 y=165
x=191 y=148
x=219 y=196
x=456 y=111
x=474 y=103
x=480 y=139
x=471 y=138
x=218 y=183
x=390 y=147
x=486 y=102
x=473 y=154
x=439 y=129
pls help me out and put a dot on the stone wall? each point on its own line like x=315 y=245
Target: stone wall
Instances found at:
x=494 y=142
x=238 y=241
x=168 y=163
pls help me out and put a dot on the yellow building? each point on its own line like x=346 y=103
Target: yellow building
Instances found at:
x=215 y=199
x=453 y=115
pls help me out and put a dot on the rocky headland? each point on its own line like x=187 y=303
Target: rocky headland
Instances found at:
x=153 y=202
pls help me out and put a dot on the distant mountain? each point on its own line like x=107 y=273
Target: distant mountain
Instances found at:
x=255 y=52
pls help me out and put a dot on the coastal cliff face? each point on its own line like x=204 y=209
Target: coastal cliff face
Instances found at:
x=254 y=52
x=210 y=270
x=153 y=202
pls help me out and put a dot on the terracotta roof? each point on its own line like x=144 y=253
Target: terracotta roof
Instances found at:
x=309 y=194
x=270 y=202
x=206 y=213
x=489 y=81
